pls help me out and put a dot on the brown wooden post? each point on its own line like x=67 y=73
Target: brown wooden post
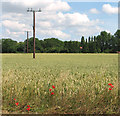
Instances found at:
x=34 y=34
x=33 y=28
x=27 y=41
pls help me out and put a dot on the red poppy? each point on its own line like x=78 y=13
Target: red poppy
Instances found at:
x=14 y=99
x=52 y=93
x=110 y=89
x=112 y=86
x=28 y=108
x=50 y=89
x=17 y=104
x=53 y=86
x=109 y=84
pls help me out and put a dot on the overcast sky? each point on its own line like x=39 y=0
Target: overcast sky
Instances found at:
x=59 y=19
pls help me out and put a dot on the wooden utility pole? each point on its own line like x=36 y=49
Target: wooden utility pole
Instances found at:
x=33 y=28
x=34 y=33
x=27 y=41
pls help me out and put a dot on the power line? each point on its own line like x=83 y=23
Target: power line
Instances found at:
x=31 y=10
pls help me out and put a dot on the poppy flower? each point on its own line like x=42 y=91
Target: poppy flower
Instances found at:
x=50 y=89
x=112 y=86
x=110 y=89
x=109 y=84
x=28 y=108
x=14 y=99
x=17 y=104
x=53 y=86
x=52 y=93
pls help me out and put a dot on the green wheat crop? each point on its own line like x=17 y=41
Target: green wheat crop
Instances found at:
x=80 y=80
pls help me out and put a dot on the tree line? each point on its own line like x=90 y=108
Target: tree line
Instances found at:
x=103 y=43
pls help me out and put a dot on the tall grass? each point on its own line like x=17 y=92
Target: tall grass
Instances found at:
x=80 y=80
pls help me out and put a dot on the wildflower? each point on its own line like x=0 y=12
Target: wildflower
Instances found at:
x=52 y=93
x=109 y=84
x=53 y=86
x=80 y=47
x=50 y=89
x=28 y=108
x=14 y=99
x=110 y=89
x=112 y=86
x=17 y=104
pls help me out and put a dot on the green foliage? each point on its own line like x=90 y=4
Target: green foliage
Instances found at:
x=103 y=43
x=53 y=45
x=9 y=46
x=20 y=47
x=72 y=46
x=117 y=40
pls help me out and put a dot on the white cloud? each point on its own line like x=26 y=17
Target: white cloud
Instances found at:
x=107 y=8
x=44 y=24
x=107 y=31
x=54 y=33
x=58 y=6
x=69 y=20
x=75 y=20
x=13 y=35
x=45 y=5
x=14 y=25
x=12 y=16
x=94 y=11
x=51 y=22
x=29 y=2
x=88 y=31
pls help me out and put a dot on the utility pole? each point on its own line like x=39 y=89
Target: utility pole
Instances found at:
x=27 y=39
x=33 y=28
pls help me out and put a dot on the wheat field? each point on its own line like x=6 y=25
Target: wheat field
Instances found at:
x=80 y=80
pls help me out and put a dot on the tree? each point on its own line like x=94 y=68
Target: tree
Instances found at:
x=117 y=40
x=83 y=44
x=20 y=47
x=53 y=45
x=98 y=43
x=93 y=45
x=9 y=46
x=104 y=42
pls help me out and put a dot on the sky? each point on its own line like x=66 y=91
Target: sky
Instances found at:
x=59 y=19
